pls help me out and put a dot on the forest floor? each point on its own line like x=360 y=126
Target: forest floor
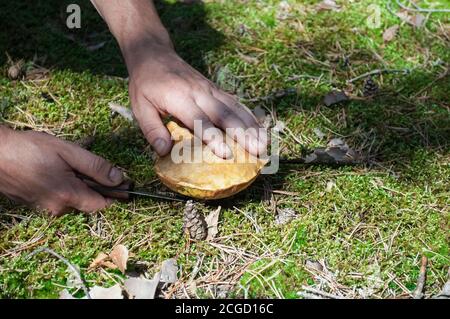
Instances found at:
x=360 y=231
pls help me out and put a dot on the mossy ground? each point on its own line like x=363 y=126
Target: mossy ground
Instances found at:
x=370 y=230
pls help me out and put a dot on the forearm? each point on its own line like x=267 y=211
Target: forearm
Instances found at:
x=132 y=21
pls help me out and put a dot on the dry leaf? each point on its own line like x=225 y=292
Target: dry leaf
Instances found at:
x=114 y=292
x=110 y=265
x=16 y=70
x=264 y=119
x=284 y=9
x=119 y=256
x=330 y=186
x=212 y=220
x=125 y=112
x=390 y=33
x=259 y=113
x=98 y=261
x=335 y=97
x=314 y=265
x=319 y=133
x=285 y=215
x=279 y=126
x=169 y=270
x=445 y=292
x=337 y=152
x=248 y=58
x=141 y=288
x=417 y=20
x=328 y=5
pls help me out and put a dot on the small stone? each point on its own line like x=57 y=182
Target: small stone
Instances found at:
x=16 y=71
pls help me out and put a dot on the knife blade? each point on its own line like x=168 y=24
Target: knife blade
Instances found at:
x=126 y=190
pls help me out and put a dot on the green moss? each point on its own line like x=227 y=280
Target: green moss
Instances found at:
x=378 y=220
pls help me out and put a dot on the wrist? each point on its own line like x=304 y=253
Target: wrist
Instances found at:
x=144 y=39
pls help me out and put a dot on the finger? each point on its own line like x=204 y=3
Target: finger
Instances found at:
x=241 y=110
x=222 y=116
x=245 y=114
x=190 y=112
x=152 y=126
x=91 y=165
x=85 y=199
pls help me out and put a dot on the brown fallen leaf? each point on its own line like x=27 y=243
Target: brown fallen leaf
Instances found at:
x=335 y=97
x=390 y=33
x=337 y=152
x=108 y=264
x=416 y=20
x=16 y=70
x=212 y=220
x=98 y=261
x=119 y=256
x=314 y=265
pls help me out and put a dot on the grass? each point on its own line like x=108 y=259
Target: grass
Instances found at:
x=369 y=231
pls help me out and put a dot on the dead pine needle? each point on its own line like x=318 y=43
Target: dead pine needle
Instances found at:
x=379 y=71
x=69 y=265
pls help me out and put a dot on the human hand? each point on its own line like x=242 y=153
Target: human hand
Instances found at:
x=161 y=84
x=39 y=170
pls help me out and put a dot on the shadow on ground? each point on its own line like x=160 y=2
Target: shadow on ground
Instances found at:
x=37 y=31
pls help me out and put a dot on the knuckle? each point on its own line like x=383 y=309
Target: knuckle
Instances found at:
x=225 y=115
x=98 y=164
x=149 y=129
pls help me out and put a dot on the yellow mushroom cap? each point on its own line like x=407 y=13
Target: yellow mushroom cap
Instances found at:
x=202 y=174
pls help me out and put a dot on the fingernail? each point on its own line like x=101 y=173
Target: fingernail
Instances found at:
x=160 y=146
x=115 y=175
x=224 y=150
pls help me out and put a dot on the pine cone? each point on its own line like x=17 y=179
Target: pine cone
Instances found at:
x=370 y=87
x=194 y=223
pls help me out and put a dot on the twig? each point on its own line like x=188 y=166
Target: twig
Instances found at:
x=379 y=71
x=321 y=293
x=419 y=9
x=68 y=263
x=307 y=295
x=272 y=96
x=418 y=292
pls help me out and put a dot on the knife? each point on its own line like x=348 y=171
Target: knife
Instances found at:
x=126 y=190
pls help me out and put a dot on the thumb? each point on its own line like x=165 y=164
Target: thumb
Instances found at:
x=152 y=127
x=91 y=165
